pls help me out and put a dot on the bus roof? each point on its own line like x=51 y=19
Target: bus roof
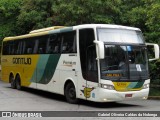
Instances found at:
x=34 y=33
x=46 y=29
x=105 y=26
x=58 y=29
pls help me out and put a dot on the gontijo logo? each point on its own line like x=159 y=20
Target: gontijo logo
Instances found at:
x=26 y=61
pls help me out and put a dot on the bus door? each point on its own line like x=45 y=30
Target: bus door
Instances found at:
x=89 y=72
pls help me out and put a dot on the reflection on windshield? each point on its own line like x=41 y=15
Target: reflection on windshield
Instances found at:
x=124 y=63
x=120 y=35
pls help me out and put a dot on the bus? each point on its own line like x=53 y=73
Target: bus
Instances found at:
x=95 y=62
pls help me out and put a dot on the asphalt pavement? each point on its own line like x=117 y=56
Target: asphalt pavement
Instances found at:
x=37 y=100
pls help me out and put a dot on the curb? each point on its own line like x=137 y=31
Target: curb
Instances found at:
x=154 y=97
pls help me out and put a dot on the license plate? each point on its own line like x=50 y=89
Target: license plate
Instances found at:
x=128 y=95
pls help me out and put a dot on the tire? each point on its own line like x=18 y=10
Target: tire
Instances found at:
x=12 y=81
x=70 y=93
x=18 y=82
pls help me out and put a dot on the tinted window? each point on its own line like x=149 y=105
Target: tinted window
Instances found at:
x=88 y=55
x=8 y=48
x=54 y=44
x=18 y=47
x=42 y=47
x=29 y=45
x=69 y=42
x=5 y=48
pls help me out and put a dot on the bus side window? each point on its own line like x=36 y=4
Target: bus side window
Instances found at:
x=11 y=47
x=29 y=50
x=29 y=45
x=54 y=44
x=50 y=46
x=75 y=44
x=42 y=44
x=24 y=47
x=5 y=48
x=36 y=46
x=15 y=47
x=40 y=51
x=8 y=48
x=69 y=42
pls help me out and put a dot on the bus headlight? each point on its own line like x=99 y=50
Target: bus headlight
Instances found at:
x=145 y=86
x=106 y=86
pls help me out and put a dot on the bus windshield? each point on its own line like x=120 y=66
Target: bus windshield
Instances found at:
x=120 y=35
x=124 y=62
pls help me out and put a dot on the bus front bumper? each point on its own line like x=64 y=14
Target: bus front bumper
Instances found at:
x=113 y=95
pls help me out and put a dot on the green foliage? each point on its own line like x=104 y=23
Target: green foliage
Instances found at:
x=155 y=72
x=35 y=14
x=154 y=92
x=153 y=23
x=133 y=13
x=153 y=17
x=21 y=16
x=9 y=10
x=80 y=12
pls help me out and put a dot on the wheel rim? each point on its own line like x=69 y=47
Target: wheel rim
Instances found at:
x=72 y=93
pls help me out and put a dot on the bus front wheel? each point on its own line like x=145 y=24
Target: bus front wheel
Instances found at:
x=70 y=93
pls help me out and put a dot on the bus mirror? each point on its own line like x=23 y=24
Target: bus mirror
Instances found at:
x=153 y=50
x=99 y=49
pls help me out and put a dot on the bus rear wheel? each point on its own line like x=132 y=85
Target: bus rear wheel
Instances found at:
x=12 y=81
x=18 y=82
x=70 y=93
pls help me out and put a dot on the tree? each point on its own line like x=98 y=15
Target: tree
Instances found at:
x=21 y=16
x=35 y=14
x=153 y=23
x=134 y=13
x=9 y=10
x=81 y=12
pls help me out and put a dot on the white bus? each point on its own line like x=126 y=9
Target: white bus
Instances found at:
x=96 y=62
